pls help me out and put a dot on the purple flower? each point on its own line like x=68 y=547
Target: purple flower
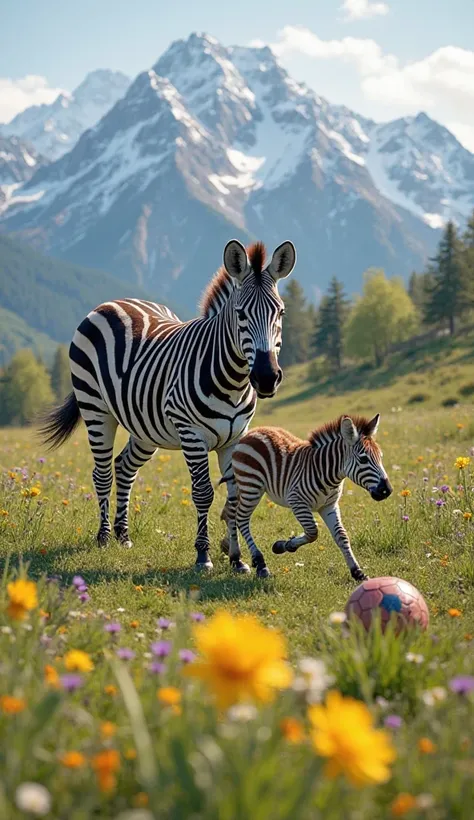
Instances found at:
x=71 y=682
x=197 y=616
x=440 y=502
x=113 y=627
x=161 y=648
x=186 y=656
x=45 y=640
x=444 y=488
x=125 y=654
x=393 y=722
x=41 y=460
x=157 y=667
x=462 y=684
x=78 y=581
x=164 y=623
x=82 y=588
x=83 y=597
x=405 y=517
x=88 y=496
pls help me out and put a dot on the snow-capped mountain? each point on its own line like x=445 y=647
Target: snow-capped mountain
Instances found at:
x=18 y=162
x=55 y=128
x=215 y=142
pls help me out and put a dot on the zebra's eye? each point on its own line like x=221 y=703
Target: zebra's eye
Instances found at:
x=282 y=312
x=364 y=459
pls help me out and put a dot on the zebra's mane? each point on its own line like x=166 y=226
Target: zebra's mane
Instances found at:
x=222 y=285
x=332 y=429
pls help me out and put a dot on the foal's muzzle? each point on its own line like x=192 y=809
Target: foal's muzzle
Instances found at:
x=382 y=491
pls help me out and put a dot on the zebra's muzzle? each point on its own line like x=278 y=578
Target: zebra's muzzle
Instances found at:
x=265 y=375
x=382 y=491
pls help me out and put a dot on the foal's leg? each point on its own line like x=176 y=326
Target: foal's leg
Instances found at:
x=331 y=516
x=304 y=516
x=133 y=456
x=230 y=545
x=101 y=430
x=249 y=498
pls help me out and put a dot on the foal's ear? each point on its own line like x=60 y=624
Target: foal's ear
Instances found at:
x=236 y=261
x=373 y=425
x=349 y=431
x=283 y=261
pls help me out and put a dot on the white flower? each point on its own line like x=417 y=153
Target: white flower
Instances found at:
x=457 y=512
x=120 y=609
x=7 y=630
x=314 y=679
x=337 y=618
x=33 y=798
x=433 y=696
x=382 y=702
x=299 y=564
x=414 y=658
x=242 y=713
x=425 y=801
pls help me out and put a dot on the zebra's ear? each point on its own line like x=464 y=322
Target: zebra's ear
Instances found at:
x=283 y=261
x=373 y=425
x=236 y=261
x=349 y=431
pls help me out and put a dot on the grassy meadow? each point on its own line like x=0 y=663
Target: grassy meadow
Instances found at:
x=149 y=739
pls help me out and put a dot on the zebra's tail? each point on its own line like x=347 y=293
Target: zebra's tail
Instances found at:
x=59 y=423
x=224 y=480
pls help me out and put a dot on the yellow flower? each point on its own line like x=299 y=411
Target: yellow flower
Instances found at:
x=292 y=730
x=148 y=489
x=34 y=492
x=467 y=516
x=11 y=705
x=107 y=729
x=105 y=765
x=454 y=613
x=343 y=731
x=402 y=804
x=405 y=493
x=3 y=513
x=462 y=462
x=110 y=690
x=185 y=502
x=73 y=760
x=51 y=676
x=426 y=746
x=185 y=490
x=242 y=660
x=130 y=754
x=78 y=661
x=23 y=598
x=169 y=696
x=460 y=426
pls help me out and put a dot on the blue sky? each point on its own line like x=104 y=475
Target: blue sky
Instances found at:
x=383 y=58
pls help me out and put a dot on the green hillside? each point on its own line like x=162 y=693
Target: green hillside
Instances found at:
x=15 y=333
x=51 y=295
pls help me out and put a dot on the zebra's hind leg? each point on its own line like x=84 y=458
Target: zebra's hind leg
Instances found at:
x=304 y=516
x=101 y=429
x=230 y=544
x=133 y=456
x=249 y=497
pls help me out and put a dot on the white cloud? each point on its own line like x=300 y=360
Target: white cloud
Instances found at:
x=16 y=95
x=360 y=9
x=440 y=84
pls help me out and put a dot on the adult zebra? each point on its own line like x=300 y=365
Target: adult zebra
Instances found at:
x=177 y=385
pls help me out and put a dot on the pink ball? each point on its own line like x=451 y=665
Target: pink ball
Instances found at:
x=387 y=595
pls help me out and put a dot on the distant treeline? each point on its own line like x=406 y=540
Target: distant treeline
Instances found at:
x=338 y=331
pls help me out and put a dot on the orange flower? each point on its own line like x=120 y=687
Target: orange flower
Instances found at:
x=11 y=705
x=107 y=729
x=22 y=598
x=130 y=754
x=73 y=760
x=454 y=613
x=110 y=689
x=467 y=516
x=170 y=696
x=51 y=677
x=65 y=502
x=140 y=800
x=134 y=624
x=405 y=493
x=292 y=730
x=105 y=765
x=402 y=804
x=426 y=746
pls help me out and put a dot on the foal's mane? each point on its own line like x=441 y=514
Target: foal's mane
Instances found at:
x=332 y=429
x=222 y=285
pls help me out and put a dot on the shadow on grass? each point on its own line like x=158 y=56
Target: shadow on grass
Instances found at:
x=220 y=584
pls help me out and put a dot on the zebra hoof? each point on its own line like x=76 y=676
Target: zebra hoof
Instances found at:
x=263 y=572
x=240 y=567
x=125 y=542
x=204 y=563
x=359 y=575
x=103 y=539
x=279 y=547
x=225 y=546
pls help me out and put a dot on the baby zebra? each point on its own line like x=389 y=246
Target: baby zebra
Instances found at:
x=306 y=476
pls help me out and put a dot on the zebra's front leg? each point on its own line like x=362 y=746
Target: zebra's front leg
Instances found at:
x=196 y=453
x=249 y=498
x=331 y=516
x=304 y=516
x=133 y=456
x=230 y=545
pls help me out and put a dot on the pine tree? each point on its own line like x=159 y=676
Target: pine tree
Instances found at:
x=450 y=294
x=25 y=388
x=60 y=373
x=296 y=326
x=333 y=312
